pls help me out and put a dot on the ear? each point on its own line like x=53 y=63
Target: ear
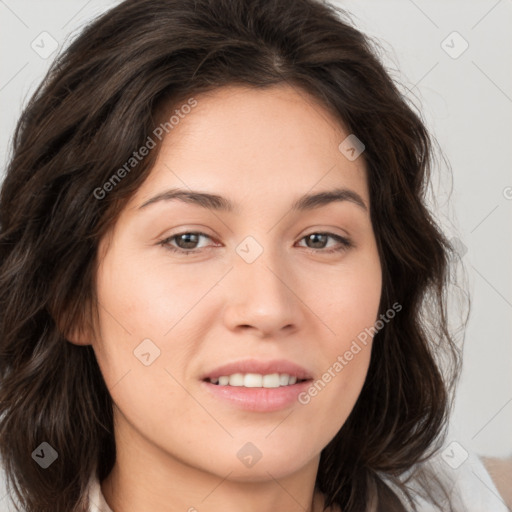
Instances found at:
x=73 y=327
x=78 y=336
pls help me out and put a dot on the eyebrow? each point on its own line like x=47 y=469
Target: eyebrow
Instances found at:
x=220 y=203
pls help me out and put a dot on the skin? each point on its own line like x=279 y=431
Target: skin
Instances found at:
x=501 y=472
x=176 y=444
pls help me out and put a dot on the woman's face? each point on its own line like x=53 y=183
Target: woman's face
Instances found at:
x=265 y=287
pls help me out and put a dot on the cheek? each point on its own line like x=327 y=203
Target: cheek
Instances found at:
x=350 y=310
x=146 y=298
x=137 y=308
x=331 y=397
x=350 y=301
x=140 y=302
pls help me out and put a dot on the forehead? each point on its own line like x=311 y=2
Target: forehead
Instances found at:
x=242 y=142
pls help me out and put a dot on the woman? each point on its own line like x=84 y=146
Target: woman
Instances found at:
x=220 y=286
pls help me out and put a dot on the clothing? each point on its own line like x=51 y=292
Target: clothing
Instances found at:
x=470 y=487
x=97 y=502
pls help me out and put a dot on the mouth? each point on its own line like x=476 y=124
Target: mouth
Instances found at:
x=259 y=393
x=256 y=380
x=253 y=373
x=256 y=385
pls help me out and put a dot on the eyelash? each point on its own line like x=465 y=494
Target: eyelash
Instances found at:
x=345 y=243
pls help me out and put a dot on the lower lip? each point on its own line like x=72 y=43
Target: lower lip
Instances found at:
x=258 y=399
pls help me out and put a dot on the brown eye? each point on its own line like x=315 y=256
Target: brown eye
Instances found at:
x=187 y=240
x=185 y=243
x=318 y=242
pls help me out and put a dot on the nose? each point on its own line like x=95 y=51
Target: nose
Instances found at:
x=260 y=296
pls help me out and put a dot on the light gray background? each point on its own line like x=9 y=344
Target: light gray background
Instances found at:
x=466 y=102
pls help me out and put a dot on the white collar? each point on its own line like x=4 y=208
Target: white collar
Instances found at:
x=97 y=502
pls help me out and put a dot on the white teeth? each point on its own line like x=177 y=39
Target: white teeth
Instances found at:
x=237 y=379
x=271 y=381
x=255 y=380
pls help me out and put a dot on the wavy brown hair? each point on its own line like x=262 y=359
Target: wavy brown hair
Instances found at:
x=98 y=103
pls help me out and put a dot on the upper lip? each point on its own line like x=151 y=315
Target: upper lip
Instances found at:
x=259 y=366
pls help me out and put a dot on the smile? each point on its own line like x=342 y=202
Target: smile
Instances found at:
x=255 y=380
